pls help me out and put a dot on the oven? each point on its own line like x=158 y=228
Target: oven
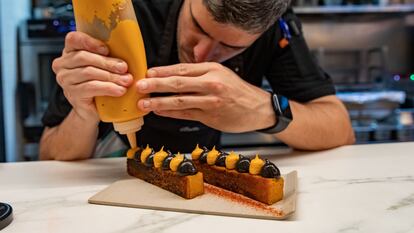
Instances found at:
x=40 y=42
x=372 y=69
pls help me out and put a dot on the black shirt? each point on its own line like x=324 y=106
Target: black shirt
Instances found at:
x=291 y=71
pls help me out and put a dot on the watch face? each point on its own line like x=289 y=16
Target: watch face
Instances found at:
x=283 y=105
x=284 y=116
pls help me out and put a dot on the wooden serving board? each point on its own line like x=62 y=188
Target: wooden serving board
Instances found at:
x=137 y=193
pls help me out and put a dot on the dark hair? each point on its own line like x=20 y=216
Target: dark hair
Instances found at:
x=254 y=16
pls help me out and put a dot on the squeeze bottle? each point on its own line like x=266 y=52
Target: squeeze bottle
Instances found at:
x=115 y=23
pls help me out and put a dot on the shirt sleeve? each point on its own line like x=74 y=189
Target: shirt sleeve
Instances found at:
x=293 y=72
x=58 y=108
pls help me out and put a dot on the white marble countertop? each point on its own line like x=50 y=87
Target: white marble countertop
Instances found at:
x=366 y=188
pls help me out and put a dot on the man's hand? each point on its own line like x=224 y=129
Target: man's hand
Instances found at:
x=84 y=71
x=209 y=93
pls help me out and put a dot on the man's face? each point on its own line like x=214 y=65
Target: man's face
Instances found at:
x=201 y=39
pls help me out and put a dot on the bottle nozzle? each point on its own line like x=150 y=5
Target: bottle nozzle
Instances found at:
x=132 y=138
x=129 y=128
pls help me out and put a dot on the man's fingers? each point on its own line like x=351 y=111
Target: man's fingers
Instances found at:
x=84 y=58
x=180 y=102
x=90 y=73
x=182 y=69
x=174 y=84
x=189 y=114
x=76 y=41
x=96 y=88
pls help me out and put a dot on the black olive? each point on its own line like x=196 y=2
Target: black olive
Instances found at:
x=221 y=159
x=137 y=155
x=167 y=160
x=203 y=156
x=149 y=161
x=186 y=168
x=270 y=170
x=243 y=164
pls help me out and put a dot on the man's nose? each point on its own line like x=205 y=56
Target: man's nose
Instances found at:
x=205 y=50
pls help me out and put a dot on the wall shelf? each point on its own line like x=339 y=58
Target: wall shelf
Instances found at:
x=355 y=9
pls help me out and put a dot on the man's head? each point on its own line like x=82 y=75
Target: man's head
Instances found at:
x=216 y=30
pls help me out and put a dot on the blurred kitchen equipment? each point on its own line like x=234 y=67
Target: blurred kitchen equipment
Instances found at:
x=47 y=9
x=364 y=85
x=404 y=119
x=40 y=42
x=306 y=2
x=332 y=2
x=372 y=105
x=355 y=69
x=370 y=112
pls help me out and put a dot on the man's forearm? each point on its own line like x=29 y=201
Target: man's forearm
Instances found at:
x=317 y=125
x=73 y=139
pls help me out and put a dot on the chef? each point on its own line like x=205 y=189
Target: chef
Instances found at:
x=208 y=60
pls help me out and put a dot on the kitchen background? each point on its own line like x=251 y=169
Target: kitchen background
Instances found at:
x=365 y=45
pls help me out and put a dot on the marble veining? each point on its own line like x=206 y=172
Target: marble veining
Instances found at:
x=388 y=179
x=154 y=222
x=405 y=202
x=354 y=227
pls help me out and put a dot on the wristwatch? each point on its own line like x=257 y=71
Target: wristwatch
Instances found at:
x=283 y=114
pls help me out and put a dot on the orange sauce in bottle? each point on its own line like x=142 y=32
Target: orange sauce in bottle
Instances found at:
x=114 y=22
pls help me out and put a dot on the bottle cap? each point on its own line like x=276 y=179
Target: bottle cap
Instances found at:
x=128 y=127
